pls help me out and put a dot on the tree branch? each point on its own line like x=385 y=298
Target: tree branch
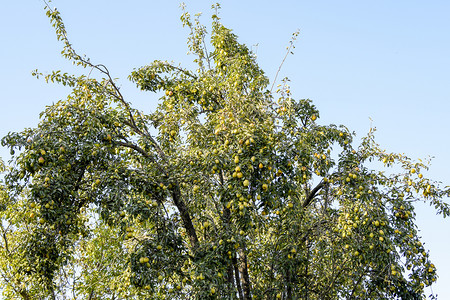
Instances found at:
x=313 y=193
x=5 y=238
x=127 y=144
x=176 y=195
x=358 y=282
x=288 y=51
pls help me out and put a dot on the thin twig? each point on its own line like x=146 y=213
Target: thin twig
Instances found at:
x=291 y=45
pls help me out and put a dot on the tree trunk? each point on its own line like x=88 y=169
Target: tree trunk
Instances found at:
x=184 y=213
x=289 y=286
x=245 y=279
x=236 y=275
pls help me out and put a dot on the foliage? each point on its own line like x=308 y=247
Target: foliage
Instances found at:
x=239 y=194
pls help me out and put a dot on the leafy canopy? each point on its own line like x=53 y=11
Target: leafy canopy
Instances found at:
x=228 y=190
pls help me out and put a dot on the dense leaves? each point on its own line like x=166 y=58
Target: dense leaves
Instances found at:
x=226 y=191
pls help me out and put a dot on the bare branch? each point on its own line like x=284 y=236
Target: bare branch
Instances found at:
x=288 y=51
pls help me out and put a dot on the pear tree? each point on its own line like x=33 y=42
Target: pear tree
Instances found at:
x=230 y=189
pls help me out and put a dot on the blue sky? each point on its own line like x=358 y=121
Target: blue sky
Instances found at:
x=363 y=63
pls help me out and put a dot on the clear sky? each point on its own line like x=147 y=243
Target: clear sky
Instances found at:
x=381 y=63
